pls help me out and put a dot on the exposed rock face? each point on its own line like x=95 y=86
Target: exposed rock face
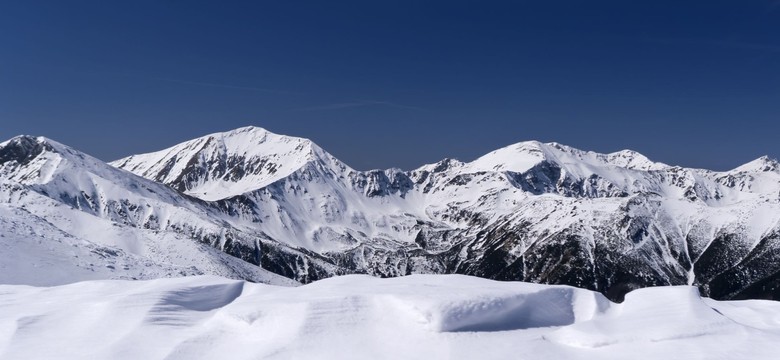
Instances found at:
x=21 y=150
x=531 y=211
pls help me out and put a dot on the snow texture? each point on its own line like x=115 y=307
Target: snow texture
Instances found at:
x=360 y=317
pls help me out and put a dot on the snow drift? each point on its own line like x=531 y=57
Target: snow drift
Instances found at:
x=358 y=317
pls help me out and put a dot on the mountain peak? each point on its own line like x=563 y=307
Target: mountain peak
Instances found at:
x=522 y=156
x=631 y=159
x=249 y=133
x=248 y=136
x=225 y=164
x=22 y=149
x=441 y=166
x=37 y=159
x=249 y=128
x=517 y=157
x=762 y=164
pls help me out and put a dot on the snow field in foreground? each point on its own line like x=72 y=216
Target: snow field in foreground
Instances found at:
x=418 y=317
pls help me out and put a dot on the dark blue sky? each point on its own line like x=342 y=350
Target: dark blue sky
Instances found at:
x=399 y=83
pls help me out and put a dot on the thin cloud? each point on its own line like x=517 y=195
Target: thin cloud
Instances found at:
x=225 y=86
x=357 y=104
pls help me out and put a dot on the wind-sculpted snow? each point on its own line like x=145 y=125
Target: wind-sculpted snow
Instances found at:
x=359 y=317
x=647 y=317
x=531 y=211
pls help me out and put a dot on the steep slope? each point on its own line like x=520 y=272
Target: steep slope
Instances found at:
x=222 y=165
x=36 y=252
x=530 y=211
x=56 y=193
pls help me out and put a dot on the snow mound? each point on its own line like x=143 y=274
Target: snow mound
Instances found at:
x=497 y=308
x=357 y=317
x=677 y=313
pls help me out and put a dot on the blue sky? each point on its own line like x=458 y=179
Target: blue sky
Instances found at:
x=399 y=83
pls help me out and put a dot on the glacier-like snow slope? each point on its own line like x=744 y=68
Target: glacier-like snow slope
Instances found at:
x=529 y=211
x=359 y=317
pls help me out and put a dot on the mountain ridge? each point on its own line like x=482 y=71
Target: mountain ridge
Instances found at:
x=528 y=211
x=625 y=158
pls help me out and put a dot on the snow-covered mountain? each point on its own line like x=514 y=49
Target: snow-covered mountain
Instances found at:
x=529 y=211
x=62 y=207
x=227 y=164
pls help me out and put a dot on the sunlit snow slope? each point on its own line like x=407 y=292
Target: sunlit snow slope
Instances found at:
x=66 y=216
x=531 y=211
x=540 y=212
x=226 y=164
x=360 y=317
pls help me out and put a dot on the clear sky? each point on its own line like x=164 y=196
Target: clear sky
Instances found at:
x=399 y=83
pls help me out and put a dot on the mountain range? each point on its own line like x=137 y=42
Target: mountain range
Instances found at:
x=254 y=205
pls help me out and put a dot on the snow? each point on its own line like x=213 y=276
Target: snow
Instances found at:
x=277 y=155
x=33 y=251
x=761 y=164
x=304 y=200
x=522 y=156
x=66 y=217
x=316 y=202
x=358 y=317
x=69 y=217
x=518 y=158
